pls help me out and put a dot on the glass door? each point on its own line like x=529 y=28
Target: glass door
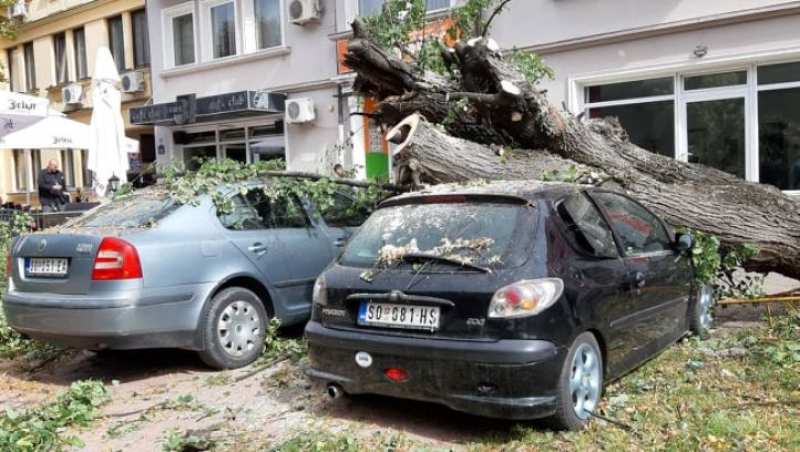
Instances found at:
x=714 y=122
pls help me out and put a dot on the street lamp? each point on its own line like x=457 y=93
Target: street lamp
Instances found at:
x=113 y=183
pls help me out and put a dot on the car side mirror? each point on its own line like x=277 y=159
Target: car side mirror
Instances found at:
x=685 y=242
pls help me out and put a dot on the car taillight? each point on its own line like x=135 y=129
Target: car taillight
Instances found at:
x=320 y=294
x=116 y=259
x=525 y=298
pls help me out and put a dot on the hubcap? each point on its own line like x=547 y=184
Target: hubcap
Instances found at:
x=705 y=300
x=585 y=381
x=238 y=328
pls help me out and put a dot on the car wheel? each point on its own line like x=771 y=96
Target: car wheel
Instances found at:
x=701 y=311
x=234 y=329
x=580 y=384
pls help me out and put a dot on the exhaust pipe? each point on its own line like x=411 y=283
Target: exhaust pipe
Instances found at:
x=334 y=391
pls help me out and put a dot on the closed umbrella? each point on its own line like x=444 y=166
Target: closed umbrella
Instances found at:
x=107 y=144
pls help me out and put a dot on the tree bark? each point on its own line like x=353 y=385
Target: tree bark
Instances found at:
x=505 y=111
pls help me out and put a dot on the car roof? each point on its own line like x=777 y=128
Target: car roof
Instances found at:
x=526 y=191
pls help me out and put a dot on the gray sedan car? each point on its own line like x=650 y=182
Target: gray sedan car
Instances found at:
x=145 y=271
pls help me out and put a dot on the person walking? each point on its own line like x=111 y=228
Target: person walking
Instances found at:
x=51 y=188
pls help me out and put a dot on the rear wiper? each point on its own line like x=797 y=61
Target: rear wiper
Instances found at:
x=447 y=260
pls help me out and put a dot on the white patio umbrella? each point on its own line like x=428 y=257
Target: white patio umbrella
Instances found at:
x=107 y=152
x=57 y=132
x=18 y=111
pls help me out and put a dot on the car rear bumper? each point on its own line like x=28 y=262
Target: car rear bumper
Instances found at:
x=507 y=379
x=142 y=319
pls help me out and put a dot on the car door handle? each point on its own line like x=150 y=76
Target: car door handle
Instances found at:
x=258 y=248
x=638 y=279
x=340 y=242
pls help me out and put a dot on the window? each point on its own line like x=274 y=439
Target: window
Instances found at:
x=223 y=30
x=639 y=230
x=343 y=212
x=68 y=167
x=141 y=39
x=135 y=211
x=20 y=171
x=116 y=41
x=256 y=210
x=779 y=125
x=193 y=157
x=11 y=69
x=79 y=44
x=30 y=66
x=719 y=80
x=268 y=23
x=183 y=39
x=87 y=175
x=60 y=52
x=642 y=109
x=368 y=8
x=586 y=229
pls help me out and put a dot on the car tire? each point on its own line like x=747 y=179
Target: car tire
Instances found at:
x=581 y=376
x=701 y=318
x=233 y=329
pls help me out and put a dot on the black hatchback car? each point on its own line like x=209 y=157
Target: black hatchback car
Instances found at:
x=509 y=300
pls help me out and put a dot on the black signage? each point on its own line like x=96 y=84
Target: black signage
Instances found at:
x=210 y=107
x=156 y=114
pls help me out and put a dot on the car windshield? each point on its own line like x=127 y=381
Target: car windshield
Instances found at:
x=478 y=234
x=132 y=211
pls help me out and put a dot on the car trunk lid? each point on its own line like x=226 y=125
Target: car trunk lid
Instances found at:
x=54 y=263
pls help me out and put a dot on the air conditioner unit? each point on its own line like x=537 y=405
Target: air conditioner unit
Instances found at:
x=299 y=111
x=132 y=82
x=72 y=94
x=304 y=11
x=18 y=10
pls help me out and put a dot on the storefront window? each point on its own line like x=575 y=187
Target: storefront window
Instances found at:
x=194 y=156
x=779 y=138
x=716 y=134
x=630 y=90
x=649 y=125
x=715 y=80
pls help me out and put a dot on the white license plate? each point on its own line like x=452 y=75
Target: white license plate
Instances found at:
x=399 y=315
x=47 y=267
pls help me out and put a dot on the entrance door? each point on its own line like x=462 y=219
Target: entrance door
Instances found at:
x=714 y=123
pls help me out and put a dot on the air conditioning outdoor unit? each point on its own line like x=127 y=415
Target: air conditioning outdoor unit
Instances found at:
x=304 y=11
x=299 y=111
x=18 y=10
x=132 y=82
x=72 y=94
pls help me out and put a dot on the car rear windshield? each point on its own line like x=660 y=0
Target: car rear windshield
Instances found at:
x=475 y=233
x=132 y=211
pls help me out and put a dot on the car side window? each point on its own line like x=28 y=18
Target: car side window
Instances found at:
x=639 y=230
x=586 y=228
x=343 y=212
x=250 y=212
x=286 y=212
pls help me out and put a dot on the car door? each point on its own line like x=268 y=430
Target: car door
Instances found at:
x=305 y=246
x=341 y=218
x=657 y=276
x=596 y=272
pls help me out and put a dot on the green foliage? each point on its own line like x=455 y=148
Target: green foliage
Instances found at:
x=331 y=442
x=391 y=28
x=455 y=109
x=531 y=65
x=278 y=348
x=181 y=442
x=470 y=18
x=42 y=428
x=555 y=175
x=705 y=257
x=722 y=268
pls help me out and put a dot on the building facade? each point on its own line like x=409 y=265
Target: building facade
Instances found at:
x=53 y=57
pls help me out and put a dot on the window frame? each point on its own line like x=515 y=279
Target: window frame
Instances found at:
x=579 y=249
x=167 y=17
x=250 y=28
x=206 y=27
x=579 y=102
x=671 y=248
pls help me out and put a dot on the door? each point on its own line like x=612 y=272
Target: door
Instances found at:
x=341 y=219
x=715 y=124
x=657 y=279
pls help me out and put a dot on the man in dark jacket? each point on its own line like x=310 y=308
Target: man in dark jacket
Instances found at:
x=51 y=188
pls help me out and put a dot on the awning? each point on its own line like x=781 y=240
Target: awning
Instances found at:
x=55 y=132
x=18 y=111
x=270 y=145
x=190 y=109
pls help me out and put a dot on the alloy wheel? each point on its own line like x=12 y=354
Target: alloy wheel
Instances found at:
x=238 y=328
x=585 y=381
x=705 y=300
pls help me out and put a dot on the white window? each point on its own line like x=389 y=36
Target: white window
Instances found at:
x=178 y=26
x=263 y=24
x=220 y=29
x=743 y=120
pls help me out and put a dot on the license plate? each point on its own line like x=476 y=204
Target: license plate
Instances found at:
x=399 y=316
x=49 y=267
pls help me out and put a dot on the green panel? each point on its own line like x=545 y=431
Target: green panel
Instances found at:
x=377 y=165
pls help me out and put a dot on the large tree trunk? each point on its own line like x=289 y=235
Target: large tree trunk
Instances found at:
x=504 y=112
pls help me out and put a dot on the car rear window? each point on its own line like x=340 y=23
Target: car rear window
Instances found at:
x=486 y=234
x=132 y=211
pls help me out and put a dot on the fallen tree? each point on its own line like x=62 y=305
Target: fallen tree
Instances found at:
x=485 y=119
